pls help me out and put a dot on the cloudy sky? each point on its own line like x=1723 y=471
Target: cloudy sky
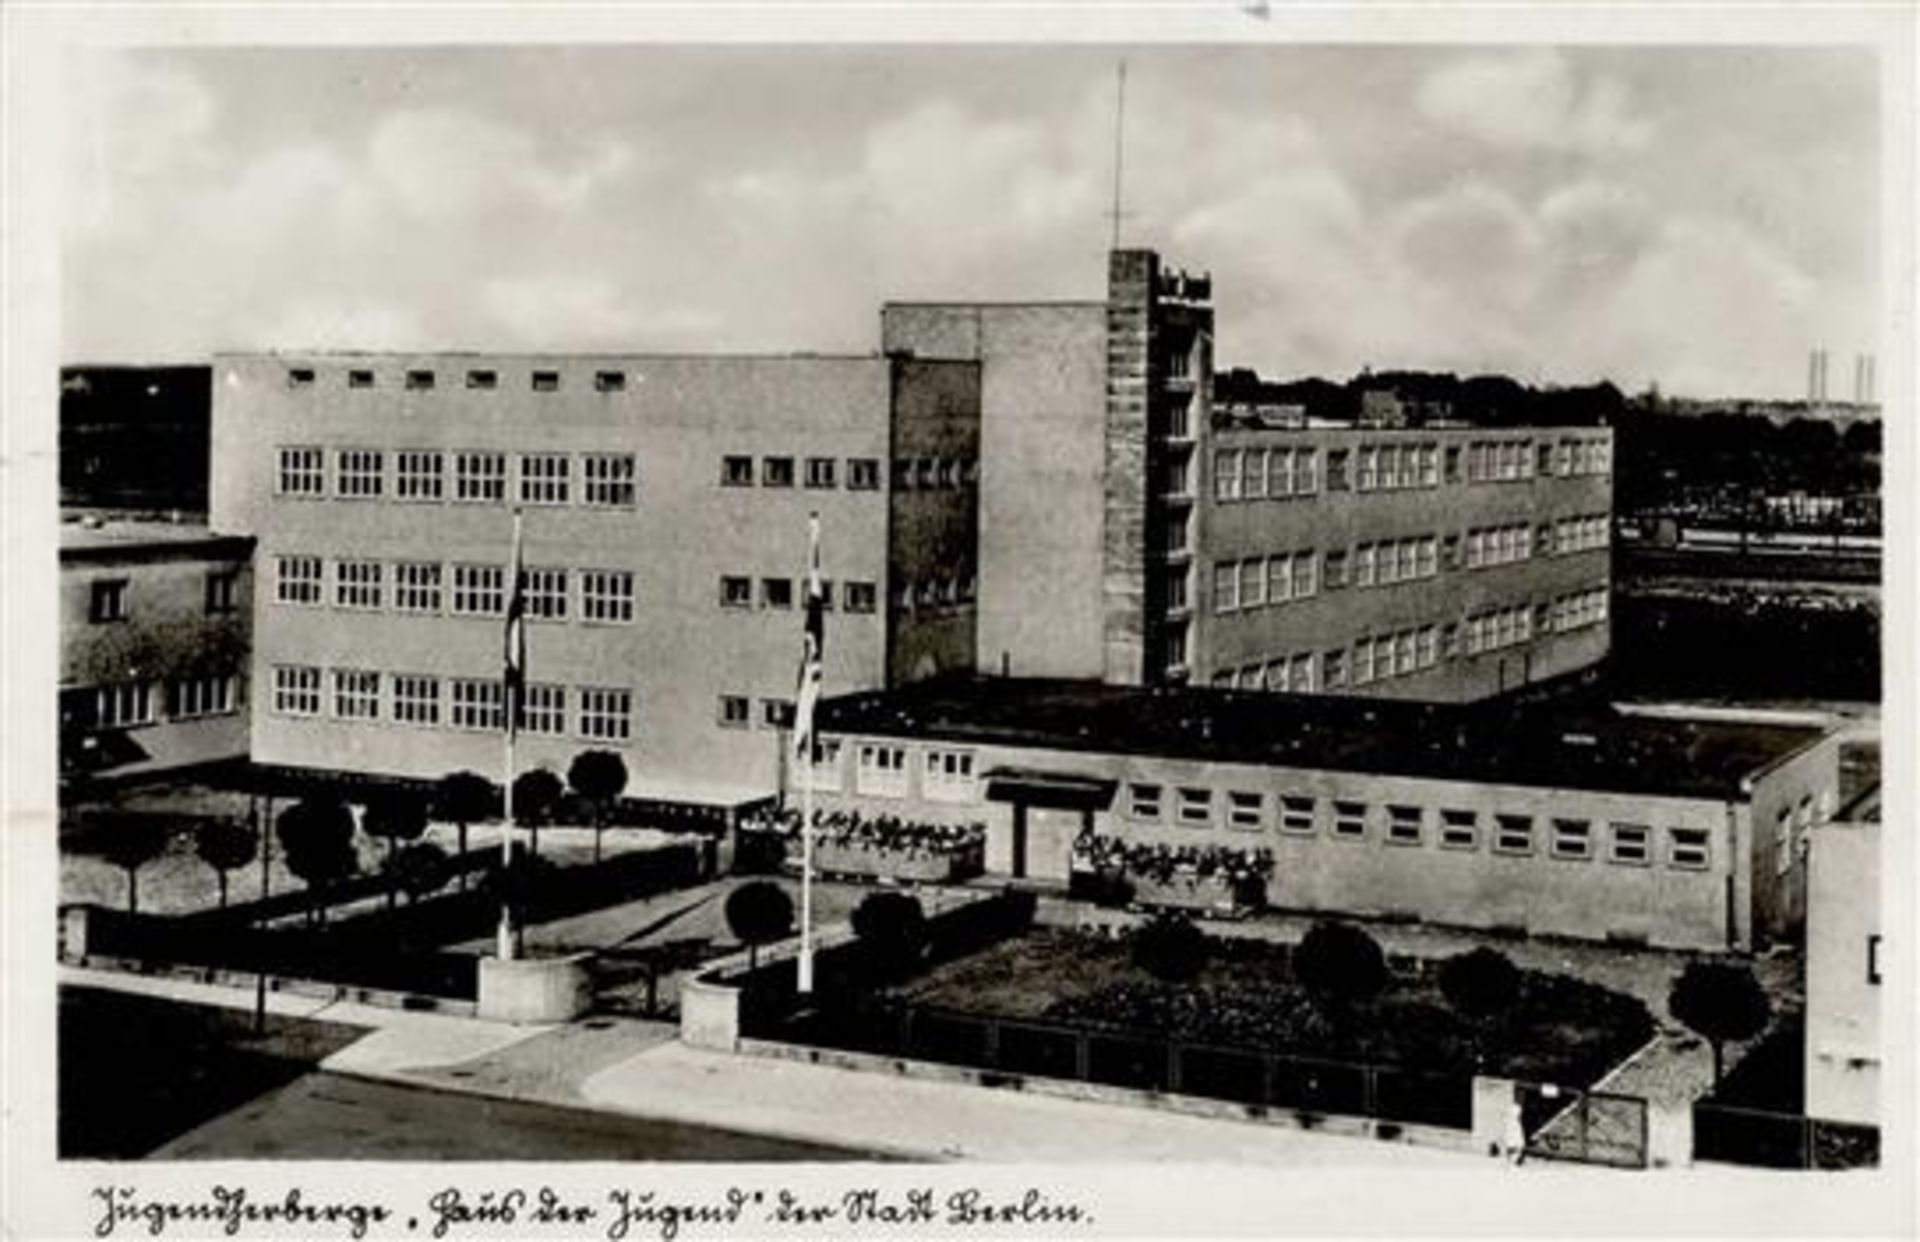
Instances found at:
x=1697 y=218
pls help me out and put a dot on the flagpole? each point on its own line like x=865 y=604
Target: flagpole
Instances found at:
x=505 y=946
x=804 y=763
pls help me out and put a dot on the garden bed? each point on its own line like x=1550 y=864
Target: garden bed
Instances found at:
x=1560 y=1030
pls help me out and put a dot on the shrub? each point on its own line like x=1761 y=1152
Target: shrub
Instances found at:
x=395 y=816
x=598 y=776
x=1339 y=965
x=461 y=799
x=421 y=870
x=130 y=840
x=892 y=927
x=1170 y=948
x=316 y=835
x=759 y=913
x=1722 y=1003
x=534 y=796
x=226 y=845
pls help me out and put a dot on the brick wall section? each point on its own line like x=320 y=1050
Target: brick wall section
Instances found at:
x=1130 y=341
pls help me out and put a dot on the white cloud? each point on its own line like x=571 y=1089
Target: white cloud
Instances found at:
x=445 y=164
x=563 y=312
x=1532 y=100
x=340 y=322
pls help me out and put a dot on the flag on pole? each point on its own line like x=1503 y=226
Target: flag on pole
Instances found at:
x=812 y=646
x=516 y=637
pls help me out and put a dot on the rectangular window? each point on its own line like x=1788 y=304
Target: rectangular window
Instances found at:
x=1336 y=571
x=1512 y=834
x=1350 y=820
x=1196 y=807
x=1305 y=583
x=416 y=586
x=1246 y=811
x=1226 y=587
x=606 y=596
x=863 y=474
x=820 y=472
x=297 y=579
x=1296 y=813
x=480 y=478
x=546 y=593
x=303 y=472
x=300 y=377
x=416 y=699
x=1306 y=471
x=1630 y=844
x=546 y=381
x=860 y=596
x=606 y=714
x=1303 y=682
x=1572 y=839
x=776 y=472
x=609 y=381
x=107 y=600
x=609 y=480
x=359 y=379
x=479 y=590
x=1253 y=474
x=1333 y=670
x=191 y=698
x=1143 y=801
x=483 y=381
x=478 y=704
x=735 y=711
x=1226 y=475
x=359 y=474
x=1363 y=565
x=296 y=690
x=947 y=776
x=356 y=694
x=1337 y=470
x=543 y=710
x=1459 y=830
x=357 y=584
x=736 y=472
x=1367 y=476
x=880 y=770
x=1280 y=476
x=1253 y=583
x=1429 y=465
x=1280 y=579
x=545 y=478
x=1687 y=849
x=776 y=713
x=1873 y=959
x=419 y=381
x=1405 y=825
x=776 y=592
x=419 y=474
x=123 y=705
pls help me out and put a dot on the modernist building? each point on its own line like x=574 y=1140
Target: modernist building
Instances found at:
x=1844 y=965
x=1673 y=832
x=154 y=621
x=1133 y=532
x=665 y=506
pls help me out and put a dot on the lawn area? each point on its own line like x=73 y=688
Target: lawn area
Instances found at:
x=1561 y=1029
x=134 y=1071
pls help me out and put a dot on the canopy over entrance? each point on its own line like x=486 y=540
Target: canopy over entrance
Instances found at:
x=1064 y=791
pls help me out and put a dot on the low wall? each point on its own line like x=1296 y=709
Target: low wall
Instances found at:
x=534 y=989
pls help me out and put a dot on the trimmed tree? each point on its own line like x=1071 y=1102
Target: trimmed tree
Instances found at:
x=421 y=870
x=131 y=840
x=463 y=798
x=316 y=838
x=598 y=777
x=1170 y=948
x=534 y=796
x=394 y=815
x=1340 y=966
x=1722 y=1003
x=226 y=845
x=759 y=912
x=1480 y=985
x=893 y=929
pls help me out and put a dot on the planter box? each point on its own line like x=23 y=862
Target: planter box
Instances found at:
x=923 y=866
x=1212 y=895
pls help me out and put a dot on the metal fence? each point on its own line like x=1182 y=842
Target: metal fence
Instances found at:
x=1752 y=1136
x=1077 y=1053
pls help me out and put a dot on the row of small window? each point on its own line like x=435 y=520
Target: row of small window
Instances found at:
x=880 y=771
x=479 y=476
x=1258 y=474
x=108 y=598
x=1259 y=581
x=1263 y=473
x=736 y=591
x=1377 y=658
x=605 y=595
x=1499 y=545
x=863 y=473
x=478 y=380
x=1570 y=839
x=125 y=704
x=1578 y=534
x=601 y=713
x=1506 y=460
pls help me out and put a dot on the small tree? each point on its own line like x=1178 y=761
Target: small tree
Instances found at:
x=893 y=929
x=394 y=815
x=316 y=837
x=759 y=913
x=421 y=870
x=130 y=841
x=1480 y=985
x=226 y=845
x=534 y=795
x=1722 y=1003
x=1170 y=948
x=463 y=798
x=599 y=777
x=1340 y=966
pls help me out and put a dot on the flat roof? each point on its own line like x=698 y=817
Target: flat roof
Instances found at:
x=86 y=538
x=1586 y=746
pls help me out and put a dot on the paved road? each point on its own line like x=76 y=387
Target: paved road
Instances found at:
x=335 y=1117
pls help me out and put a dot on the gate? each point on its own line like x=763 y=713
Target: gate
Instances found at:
x=1591 y=1127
